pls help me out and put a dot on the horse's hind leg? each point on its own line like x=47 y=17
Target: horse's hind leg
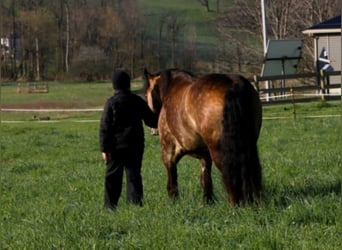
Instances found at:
x=206 y=180
x=172 y=183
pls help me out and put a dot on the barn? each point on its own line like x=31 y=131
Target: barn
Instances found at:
x=327 y=44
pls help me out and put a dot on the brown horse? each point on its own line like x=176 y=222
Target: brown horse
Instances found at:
x=216 y=118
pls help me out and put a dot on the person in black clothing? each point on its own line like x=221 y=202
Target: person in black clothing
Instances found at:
x=121 y=135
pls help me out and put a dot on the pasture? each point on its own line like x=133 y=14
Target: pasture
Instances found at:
x=52 y=183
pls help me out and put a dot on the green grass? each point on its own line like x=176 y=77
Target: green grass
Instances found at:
x=60 y=96
x=51 y=186
x=52 y=194
x=303 y=110
x=72 y=95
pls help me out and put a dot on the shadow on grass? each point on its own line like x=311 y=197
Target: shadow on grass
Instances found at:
x=282 y=197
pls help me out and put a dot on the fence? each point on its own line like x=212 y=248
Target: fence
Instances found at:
x=33 y=87
x=320 y=89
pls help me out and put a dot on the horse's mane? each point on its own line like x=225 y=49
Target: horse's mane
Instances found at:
x=170 y=76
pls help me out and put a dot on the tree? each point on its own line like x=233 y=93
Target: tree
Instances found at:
x=107 y=30
x=67 y=35
x=35 y=25
x=175 y=26
x=218 y=2
x=205 y=3
x=285 y=20
x=8 y=26
x=134 y=32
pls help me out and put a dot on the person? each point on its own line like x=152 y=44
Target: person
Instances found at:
x=121 y=136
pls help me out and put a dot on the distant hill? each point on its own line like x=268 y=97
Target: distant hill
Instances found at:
x=197 y=19
x=200 y=30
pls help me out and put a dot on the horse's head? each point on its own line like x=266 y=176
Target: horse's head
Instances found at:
x=152 y=91
x=157 y=85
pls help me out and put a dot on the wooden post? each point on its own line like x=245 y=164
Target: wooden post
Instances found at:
x=256 y=80
x=322 y=82
x=293 y=104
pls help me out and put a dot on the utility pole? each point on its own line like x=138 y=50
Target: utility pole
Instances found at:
x=264 y=32
x=1 y=61
x=14 y=42
x=264 y=38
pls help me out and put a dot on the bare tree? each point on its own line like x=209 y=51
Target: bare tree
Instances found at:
x=161 y=28
x=285 y=20
x=240 y=32
x=52 y=33
x=134 y=32
x=67 y=35
x=105 y=31
x=205 y=3
x=218 y=4
x=35 y=25
x=175 y=26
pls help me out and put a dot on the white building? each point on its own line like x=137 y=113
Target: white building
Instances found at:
x=327 y=44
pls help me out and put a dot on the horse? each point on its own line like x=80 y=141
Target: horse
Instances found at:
x=214 y=118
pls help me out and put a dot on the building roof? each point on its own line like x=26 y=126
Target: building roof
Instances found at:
x=333 y=25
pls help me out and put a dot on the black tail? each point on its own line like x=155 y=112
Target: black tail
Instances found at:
x=241 y=170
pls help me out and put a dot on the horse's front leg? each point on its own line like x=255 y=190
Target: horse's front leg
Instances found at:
x=171 y=157
x=171 y=154
x=206 y=180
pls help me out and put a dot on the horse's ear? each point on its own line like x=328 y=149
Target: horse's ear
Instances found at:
x=146 y=73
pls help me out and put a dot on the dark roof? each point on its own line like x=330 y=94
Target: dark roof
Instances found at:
x=332 y=23
x=331 y=26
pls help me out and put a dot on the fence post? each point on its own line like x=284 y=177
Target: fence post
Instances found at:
x=293 y=104
x=256 y=81
x=322 y=82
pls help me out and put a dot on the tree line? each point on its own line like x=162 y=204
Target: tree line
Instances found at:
x=86 y=39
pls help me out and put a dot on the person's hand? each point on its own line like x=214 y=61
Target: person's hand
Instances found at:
x=104 y=156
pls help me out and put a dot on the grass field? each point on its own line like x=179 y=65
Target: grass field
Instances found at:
x=52 y=184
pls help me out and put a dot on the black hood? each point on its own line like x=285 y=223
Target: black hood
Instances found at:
x=121 y=80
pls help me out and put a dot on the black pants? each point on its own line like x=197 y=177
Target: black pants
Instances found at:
x=120 y=160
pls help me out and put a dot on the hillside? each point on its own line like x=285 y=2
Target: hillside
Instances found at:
x=201 y=33
x=198 y=21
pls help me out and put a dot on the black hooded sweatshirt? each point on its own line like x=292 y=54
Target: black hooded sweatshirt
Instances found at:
x=121 y=124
